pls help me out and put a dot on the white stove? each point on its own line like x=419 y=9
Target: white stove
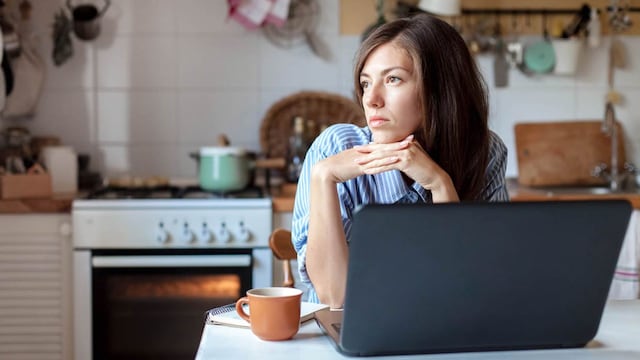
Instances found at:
x=146 y=269
x=172 y=223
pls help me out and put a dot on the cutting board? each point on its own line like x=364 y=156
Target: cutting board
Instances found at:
x=563 y=153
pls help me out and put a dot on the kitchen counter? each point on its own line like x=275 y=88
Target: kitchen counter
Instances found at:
x=55 y=204
x=519 y=192
x=616 y=339
x=283 y=202
x=283 y=199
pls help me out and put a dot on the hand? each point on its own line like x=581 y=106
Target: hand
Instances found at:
x=406 y=156
x=339 y=167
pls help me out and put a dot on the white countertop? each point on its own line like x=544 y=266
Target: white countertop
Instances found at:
x=618 y=338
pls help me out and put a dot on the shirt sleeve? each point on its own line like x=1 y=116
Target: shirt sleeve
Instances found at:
x=333 y=140
x=496 y=186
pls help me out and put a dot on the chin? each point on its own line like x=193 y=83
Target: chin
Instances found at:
x=382 y=138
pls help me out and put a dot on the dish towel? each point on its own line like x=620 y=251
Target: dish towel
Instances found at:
x=626 y=279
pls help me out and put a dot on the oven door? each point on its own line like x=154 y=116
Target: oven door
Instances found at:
x=150 y=304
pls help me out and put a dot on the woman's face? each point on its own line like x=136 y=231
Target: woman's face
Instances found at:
x=390 y=94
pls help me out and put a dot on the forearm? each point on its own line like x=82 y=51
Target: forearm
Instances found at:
x=327 y=251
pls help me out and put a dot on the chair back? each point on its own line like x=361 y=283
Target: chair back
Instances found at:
x=282 y=248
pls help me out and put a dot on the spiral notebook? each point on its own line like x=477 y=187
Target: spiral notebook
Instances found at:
x=227 y=315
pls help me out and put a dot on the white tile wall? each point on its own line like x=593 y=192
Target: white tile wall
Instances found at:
x=166 y=77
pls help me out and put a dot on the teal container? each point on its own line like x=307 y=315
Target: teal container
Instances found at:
x=223 y=169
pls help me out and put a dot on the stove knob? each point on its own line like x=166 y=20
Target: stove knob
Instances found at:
x=187 y=235
x=223 y=234
x=205 y=235
x=162 y=235
x=244 y=235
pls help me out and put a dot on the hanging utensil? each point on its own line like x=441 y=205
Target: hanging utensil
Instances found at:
x=515 y=49
x=540 y=56
x=29 y=71
x=500 y=63
x=300 y=27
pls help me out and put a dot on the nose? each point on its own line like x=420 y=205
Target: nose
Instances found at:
x=373 y=97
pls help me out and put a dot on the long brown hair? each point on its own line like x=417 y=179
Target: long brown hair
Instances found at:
x=454 y=130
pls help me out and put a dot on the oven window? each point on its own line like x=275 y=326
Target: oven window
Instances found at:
x=158 y=313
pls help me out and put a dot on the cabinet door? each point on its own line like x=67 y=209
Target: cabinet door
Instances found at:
x=35 y=286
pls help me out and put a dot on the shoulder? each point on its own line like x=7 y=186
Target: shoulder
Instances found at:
x=339 y=137
x=497 y=148
x=495 y=188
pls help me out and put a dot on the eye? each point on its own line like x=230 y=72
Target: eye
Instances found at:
x=364 y=84
x=393 y=79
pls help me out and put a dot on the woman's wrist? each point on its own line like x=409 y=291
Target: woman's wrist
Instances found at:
x=321 y=172
x=442 y=189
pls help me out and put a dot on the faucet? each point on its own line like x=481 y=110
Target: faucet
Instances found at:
x=609 y=128
x=617 y=181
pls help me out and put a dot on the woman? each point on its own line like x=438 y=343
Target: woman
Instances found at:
x=426 y=140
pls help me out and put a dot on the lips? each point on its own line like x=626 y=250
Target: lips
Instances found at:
x=377 y=121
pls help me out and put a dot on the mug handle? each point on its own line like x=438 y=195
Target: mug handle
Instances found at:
x=240 y=310
x=104 y=9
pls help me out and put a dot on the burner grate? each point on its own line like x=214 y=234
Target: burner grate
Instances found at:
x=172 y=192
x=197 y=192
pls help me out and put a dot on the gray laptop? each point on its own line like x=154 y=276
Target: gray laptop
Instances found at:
x=477 y=276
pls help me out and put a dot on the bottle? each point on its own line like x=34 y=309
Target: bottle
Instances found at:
x=594 y=29
x=298 y=146
x=311 y=131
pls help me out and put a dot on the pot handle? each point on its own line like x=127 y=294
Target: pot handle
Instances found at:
x=100 y=13
x=271 y=163
x=195 y=156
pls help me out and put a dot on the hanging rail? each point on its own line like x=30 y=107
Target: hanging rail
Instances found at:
x=522 y=11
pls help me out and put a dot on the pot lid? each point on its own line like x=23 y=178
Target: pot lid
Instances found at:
x=222 y=150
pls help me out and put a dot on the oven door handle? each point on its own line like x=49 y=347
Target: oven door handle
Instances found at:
x=165 y=261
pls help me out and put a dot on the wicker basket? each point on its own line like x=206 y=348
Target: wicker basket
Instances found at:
x=322 y=107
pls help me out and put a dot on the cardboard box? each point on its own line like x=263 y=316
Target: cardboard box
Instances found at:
x=25 y=186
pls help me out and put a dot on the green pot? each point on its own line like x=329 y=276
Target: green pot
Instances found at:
x=223 y=169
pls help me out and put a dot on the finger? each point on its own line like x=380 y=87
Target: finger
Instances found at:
x=379 y=169
x=379 y=162
x=371 y=148
x=363 y=149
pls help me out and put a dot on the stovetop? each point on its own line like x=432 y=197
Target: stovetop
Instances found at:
x=171 y=217
x=171 y=192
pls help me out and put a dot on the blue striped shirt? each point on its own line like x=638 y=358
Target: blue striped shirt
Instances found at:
x=384 y=188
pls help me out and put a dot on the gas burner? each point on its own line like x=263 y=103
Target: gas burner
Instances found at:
x=196 y=192
x=172 y=192
x=116 y=192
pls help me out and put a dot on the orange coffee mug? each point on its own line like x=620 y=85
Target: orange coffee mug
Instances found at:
x=274 y=312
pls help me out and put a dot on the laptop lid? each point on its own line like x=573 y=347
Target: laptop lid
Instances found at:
x=478 y=276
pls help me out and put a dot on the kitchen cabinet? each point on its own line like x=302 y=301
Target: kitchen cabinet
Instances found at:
x=35 y=286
